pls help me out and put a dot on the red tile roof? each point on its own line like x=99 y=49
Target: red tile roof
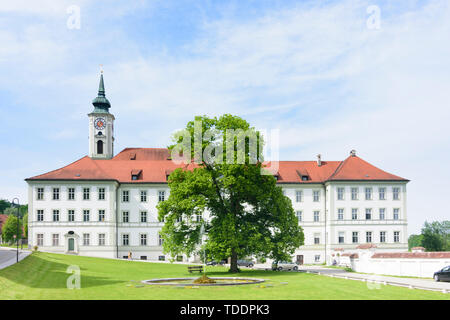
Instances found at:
x=355 y=168
x=154 y=165
x=412 y=255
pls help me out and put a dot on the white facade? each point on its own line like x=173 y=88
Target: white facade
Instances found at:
x=138 y=220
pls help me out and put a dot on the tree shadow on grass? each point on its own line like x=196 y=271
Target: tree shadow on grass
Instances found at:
x=37 y=272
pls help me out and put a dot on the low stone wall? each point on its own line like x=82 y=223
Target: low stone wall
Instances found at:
x=402 y=264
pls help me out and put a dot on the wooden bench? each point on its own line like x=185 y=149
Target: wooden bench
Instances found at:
x=195 y=268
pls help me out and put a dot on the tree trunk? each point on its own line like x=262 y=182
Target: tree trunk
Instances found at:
x=233 y=264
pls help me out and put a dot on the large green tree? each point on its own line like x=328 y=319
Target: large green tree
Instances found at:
x=248 y=215
x=415 y=240
x=436 y=236
x=9 y=229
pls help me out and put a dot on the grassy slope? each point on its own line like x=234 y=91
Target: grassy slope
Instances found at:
x=43 y=276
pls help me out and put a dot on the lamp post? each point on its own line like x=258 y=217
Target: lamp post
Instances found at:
x=18 y=225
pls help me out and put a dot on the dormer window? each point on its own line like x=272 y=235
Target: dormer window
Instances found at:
x=303 y=175
x=132 y=156
x=136 y=174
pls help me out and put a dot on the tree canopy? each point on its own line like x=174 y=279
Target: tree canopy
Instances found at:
x=9 y=229
x=247 y=213
x=435 y=236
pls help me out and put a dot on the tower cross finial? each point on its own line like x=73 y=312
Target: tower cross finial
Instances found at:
x=101 y=68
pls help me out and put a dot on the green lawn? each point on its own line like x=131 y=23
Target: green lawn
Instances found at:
x=43 y=276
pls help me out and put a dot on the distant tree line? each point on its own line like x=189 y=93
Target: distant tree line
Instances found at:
x=434 y=236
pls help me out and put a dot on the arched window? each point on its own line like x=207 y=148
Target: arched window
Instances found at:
x=100 y=147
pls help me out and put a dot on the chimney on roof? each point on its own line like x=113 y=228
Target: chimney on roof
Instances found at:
x=353 y=153
x=319 y=160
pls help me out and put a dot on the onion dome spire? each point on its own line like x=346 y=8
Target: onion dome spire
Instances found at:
x=100 y=103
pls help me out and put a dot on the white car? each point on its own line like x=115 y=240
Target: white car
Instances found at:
x=284 y=265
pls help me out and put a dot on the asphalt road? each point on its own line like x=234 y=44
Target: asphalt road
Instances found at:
x=8 y=256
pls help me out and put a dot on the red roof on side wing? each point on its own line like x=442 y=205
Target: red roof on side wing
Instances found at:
x=154 y=165
x=355 y=168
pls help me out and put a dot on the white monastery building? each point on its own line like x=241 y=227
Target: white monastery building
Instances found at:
x=104 y=205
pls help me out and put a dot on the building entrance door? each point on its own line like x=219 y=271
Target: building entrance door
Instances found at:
x=71 y=244
x=300 y=259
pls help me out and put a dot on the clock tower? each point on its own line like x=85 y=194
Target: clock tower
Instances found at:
x=101 y=126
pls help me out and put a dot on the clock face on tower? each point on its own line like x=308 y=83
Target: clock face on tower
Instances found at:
x=99 y=123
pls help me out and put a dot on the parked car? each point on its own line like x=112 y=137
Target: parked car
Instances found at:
x=443 y=274
x=245 y=263
x=284 y=265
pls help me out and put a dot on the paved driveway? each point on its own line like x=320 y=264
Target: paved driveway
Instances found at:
x=8 y=256
x=417 y=283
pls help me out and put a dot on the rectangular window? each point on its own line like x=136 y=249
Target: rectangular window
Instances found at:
x=198 y=217
x=355 y=237
x=55 y=193
x=382 y=236
x=40 y=194
x=340 y=193
x=86 y=193
x=86 y=214
x=162 y=258
x=298 y=196
x=40 y=215
x=180 y=258
x=71 y=194
x=143 y=196
x=71 y=215
x=101 y=193
x=101 y=239
x=368 y=214
x=86 y=238
x=143 y=216
x=317 y=258
x=340 y=214
x=368 y=192
x=316 y=238
x=40 y=239
x=125 y=216
x=382 y=193
x=396 y=236
x=316 y=216
x=101 y=215
x=354 y=193
x=55 y=240
x=125 y=239
x=316 y=196
x=143 y=239
x=55 y=215
x=368 y=236
x=161 y=195
x=341 y=237
x=125 y=196
x=396 y=193
x=299 y=216
x=160 y=240
x=382 y=213
x=396 y=213
x=354 y=214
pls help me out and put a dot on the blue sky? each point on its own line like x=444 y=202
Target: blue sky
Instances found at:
x=312 y=69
